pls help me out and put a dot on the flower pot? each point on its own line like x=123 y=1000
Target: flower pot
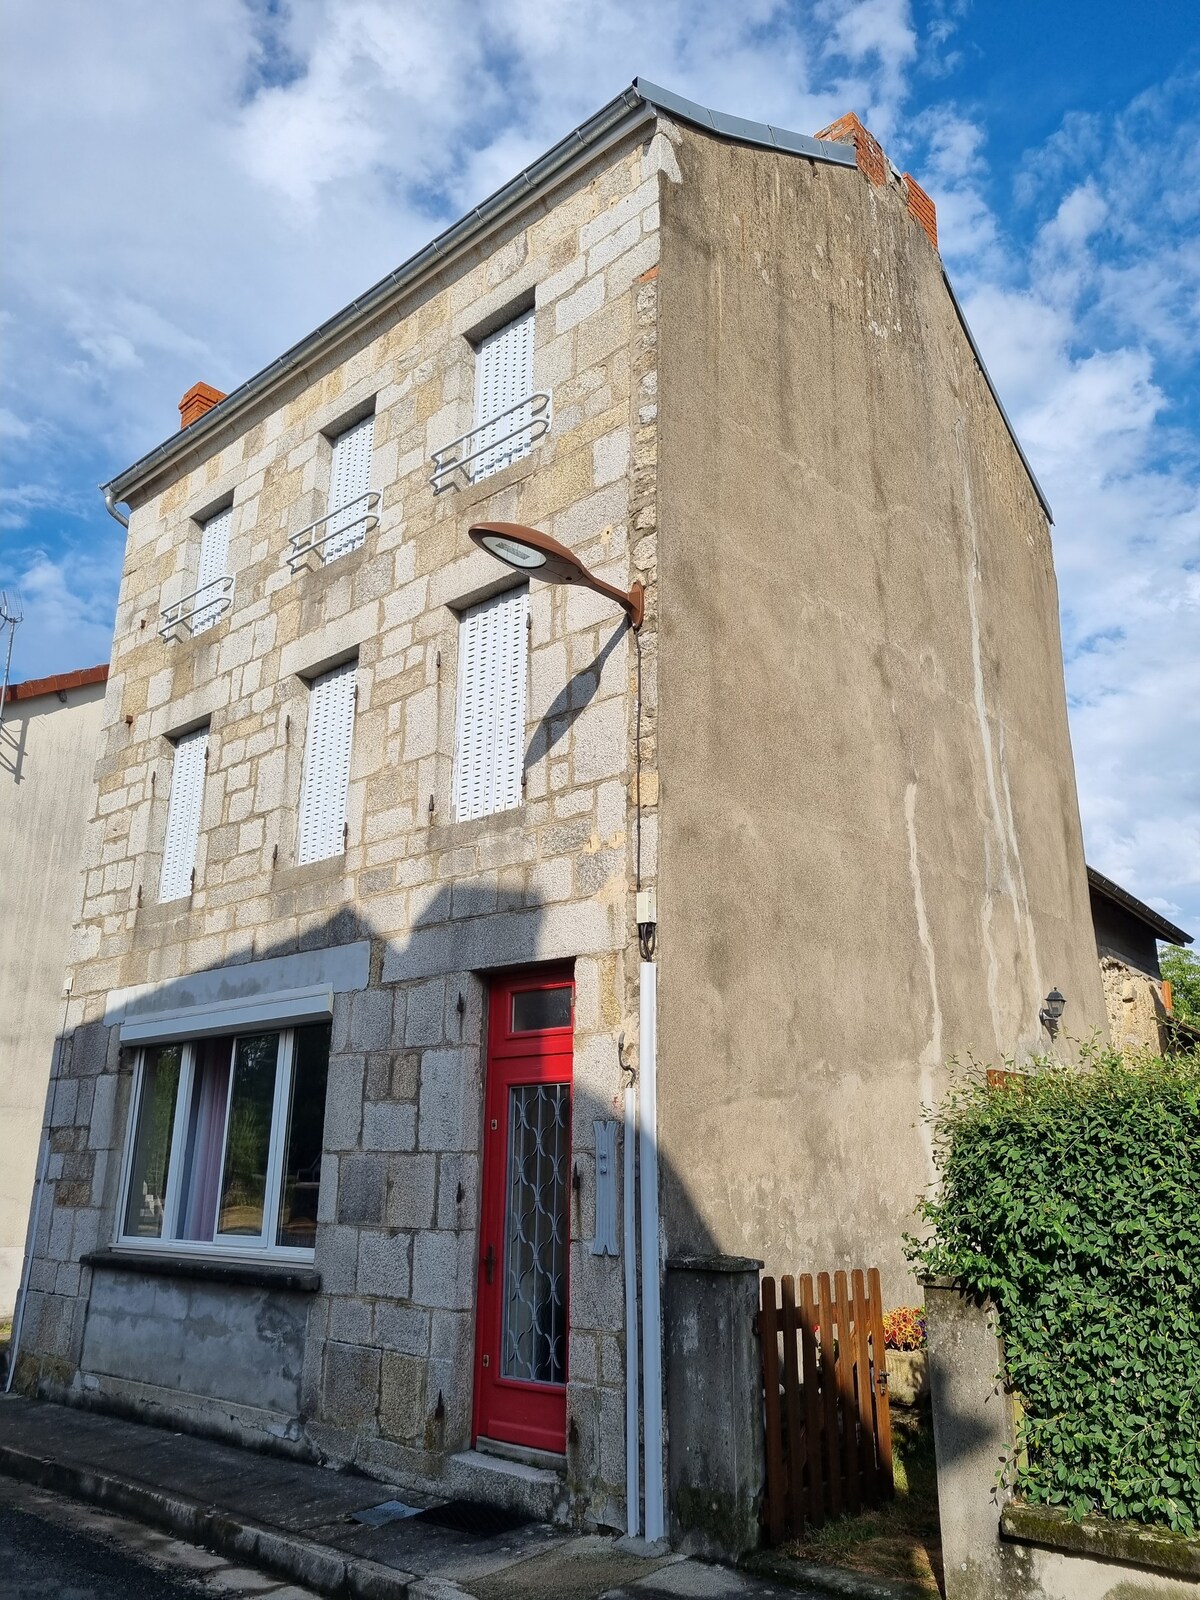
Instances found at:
x=908 y=1376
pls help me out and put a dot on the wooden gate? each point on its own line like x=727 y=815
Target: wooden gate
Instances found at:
x=828 y=1430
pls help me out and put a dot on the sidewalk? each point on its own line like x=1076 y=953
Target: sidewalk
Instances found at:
x=298 y=1521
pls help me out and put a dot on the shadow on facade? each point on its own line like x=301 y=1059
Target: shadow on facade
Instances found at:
x=375 y=1366
x=578 y=693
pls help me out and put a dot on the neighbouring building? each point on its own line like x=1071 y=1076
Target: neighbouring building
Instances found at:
x=49 y=734
x=394 y=847
x=1127 y=935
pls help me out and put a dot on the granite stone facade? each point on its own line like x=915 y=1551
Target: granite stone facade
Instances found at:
x=387 y=1352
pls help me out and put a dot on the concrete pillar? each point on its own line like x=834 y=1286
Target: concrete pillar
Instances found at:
x=972 y=1430
x=715 y=1454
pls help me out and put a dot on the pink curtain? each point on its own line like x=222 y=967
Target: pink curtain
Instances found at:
x=203 y=1179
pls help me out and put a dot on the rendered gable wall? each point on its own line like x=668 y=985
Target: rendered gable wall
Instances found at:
x=870 y=856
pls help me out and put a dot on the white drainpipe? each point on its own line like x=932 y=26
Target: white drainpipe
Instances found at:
x=632 y=1483
x=651 y=1307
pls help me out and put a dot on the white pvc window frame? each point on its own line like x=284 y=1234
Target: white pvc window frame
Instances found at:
x=222 y=1246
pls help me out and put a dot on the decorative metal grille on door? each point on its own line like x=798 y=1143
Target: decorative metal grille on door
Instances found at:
x=535 y=1267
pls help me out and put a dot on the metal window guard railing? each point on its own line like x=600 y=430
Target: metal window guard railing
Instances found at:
x=456 y=457
x=304 y=544
x=200 y=609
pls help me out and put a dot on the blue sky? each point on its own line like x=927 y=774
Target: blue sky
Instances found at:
x=187 y=189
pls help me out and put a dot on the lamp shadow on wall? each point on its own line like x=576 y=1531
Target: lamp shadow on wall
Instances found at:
x=575 y=695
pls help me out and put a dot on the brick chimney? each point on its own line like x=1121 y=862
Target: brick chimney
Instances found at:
x=874 y=164
x=201 y=397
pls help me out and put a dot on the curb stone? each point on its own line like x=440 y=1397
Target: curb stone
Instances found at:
x=836 y=1582
x=285 y=1555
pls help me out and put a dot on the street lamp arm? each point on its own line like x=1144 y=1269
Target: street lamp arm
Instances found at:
x=535 y=553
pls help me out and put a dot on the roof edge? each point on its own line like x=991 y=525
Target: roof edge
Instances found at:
x=1129 y=902
x=743 y=130
x=621 y=115
x=59 y=684
x=987 y=378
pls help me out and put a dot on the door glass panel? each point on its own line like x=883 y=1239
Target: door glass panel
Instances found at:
x=305 y=1132
x=248 y=1142
x=535 y=1009
x=535 y=1257
x=152 y=1147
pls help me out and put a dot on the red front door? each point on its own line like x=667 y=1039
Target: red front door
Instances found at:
x=521 y=1344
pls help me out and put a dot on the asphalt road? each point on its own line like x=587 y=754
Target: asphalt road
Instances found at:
x=55 y=1549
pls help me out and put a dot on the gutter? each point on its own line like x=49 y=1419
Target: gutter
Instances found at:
x=631 y=109
x=620 y=116
x=1158 y=925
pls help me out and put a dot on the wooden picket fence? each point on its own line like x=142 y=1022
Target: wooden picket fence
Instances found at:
x=828 y=1429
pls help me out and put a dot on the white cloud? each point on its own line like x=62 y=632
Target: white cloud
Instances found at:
x=200 y=185
x=1079 y=336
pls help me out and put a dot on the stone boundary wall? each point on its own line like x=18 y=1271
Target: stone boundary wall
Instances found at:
x=995 y=1548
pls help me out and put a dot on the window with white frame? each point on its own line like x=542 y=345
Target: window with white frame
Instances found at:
x=349 y=489
x=225 y=1140
x=493 y=652
x=213 y=581
x=183 y=815
x=326 y=776
x=504 y=396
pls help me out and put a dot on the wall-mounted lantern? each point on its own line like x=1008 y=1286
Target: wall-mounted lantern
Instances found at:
x=1052 y=1010
x=537 y=554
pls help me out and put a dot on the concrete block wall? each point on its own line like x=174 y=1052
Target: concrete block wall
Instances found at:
x=386 y=1378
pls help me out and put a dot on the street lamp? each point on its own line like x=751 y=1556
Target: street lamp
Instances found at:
x=528 y=550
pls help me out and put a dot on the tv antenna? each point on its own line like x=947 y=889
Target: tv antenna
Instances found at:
x=11 y=613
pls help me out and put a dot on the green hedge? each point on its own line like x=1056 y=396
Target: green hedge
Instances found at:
x=1072 y=1199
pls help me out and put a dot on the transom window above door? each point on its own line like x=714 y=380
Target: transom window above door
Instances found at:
x=224 y=1150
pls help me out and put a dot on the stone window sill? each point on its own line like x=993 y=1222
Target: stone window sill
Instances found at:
x=294 y=1277
x=496 y=482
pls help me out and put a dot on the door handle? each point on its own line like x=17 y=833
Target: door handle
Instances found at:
x=489 y=1263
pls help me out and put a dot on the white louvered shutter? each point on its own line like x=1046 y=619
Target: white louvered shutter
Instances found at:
x=183 y=815
x=493 y=648
x=503 y=377
x=214 y=564
x=349 y=481
x=327 y=765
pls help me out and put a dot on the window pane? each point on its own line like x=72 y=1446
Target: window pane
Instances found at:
x=248 y=1143
x=535 y=1009
x=305 y=1138
x=205 y=1140
x=152 y=1143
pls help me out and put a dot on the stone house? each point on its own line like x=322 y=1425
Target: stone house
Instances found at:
x=1127 y=935
x=49 y=733
x=395 y=848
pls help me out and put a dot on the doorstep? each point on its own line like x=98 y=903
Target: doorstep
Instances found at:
x=539 y=1492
